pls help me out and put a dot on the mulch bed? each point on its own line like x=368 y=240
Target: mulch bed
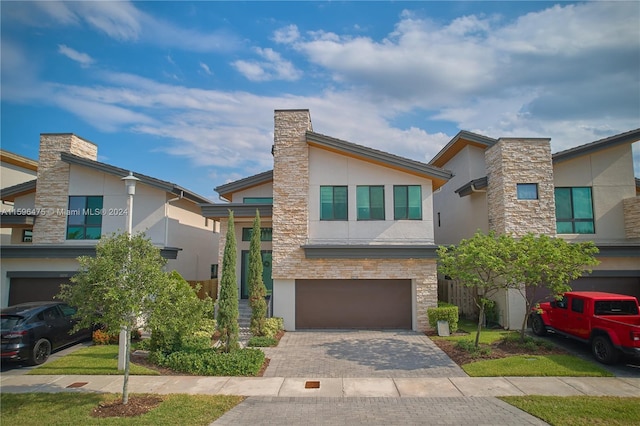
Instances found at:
x=136 y=406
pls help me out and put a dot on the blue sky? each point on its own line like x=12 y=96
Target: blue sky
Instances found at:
x=185 y=91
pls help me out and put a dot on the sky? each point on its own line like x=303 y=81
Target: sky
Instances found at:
x=185 y=91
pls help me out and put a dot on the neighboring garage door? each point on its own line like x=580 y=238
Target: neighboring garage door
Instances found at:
x=360 y=304
x=34 y=289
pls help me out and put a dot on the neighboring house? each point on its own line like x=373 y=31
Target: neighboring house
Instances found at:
x=351 y=229
x=515 y=185
x=14 y=169
x=76 y=200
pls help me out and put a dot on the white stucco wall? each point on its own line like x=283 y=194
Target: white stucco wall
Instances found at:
x=327 y=168
x=610 y=174
x=461 y=217
x=264 y=190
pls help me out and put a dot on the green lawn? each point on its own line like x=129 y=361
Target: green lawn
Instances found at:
x=65 y=409
x=99 y=359
x=580 y=410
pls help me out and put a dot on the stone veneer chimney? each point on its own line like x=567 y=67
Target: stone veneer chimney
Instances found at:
x=52 y=190
x=512 y=161
x=290 y=188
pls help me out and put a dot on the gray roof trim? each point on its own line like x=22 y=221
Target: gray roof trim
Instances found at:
x=11 y=192
x=608 y=273
x=148 y=180
x=618 y=250
x=468 y=188
x=623 y=138
x=55 y=251
x=41 y=274
x=17 y=220
x=378 y=156
x=370 y=251
x=220 y=211
x=470 y=136
x=248 y=182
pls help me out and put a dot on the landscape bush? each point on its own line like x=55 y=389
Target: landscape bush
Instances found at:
x=444 y=312
x=272 y=326
x=211 y=362
x=262 y=341
x=103 y=337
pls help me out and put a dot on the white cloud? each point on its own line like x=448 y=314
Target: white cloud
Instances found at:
x=288 y=34
x=205 y=68
x=82 y=58
x=273 y=67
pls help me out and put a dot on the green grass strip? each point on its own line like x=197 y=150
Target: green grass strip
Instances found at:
x=580 y=410
x=93 y=360
x=63 y=409
x=535 y=365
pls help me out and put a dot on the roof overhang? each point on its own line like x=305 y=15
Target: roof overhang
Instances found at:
x=226 y=191
x=148 y=180
x=620 y=139
x=12 y=192
x=436 y=174
x=59 y=251
x=618 y=250
x=389 y=251
x=17 y=221
x=476 y=185
x=18 y=160
x=221 y=211
x=459 y=141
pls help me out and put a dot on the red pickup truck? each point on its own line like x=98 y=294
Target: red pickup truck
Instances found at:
x=609 y=322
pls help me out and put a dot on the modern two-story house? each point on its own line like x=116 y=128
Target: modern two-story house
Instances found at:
x=74 y=201
x=516 y=186
x=352 y=230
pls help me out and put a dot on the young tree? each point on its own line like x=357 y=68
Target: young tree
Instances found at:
x=228 y=300
x=117 y=286
x=257 y=289
x=482 y=262
x=542 y=261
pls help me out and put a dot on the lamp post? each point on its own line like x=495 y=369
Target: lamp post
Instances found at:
x=130 y=183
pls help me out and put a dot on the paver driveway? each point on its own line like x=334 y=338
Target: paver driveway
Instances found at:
x=358 y=353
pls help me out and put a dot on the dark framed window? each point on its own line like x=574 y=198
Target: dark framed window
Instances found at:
x=574 y=210
x=577 y=305
x=214 y=270
x=527 y=191
x=370 y=202
x=333 y=203
x=27 y=235
x=266 y=234
x=84 y=218
x=407 y=202
x=257 y=200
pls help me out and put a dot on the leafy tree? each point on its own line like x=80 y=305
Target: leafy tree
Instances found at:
x=257 y=289
x=542 y=261
x=228 y=300
x=177 y=314
x=482 y=262
x=117 y=286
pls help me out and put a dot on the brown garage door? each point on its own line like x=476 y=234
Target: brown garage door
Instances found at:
x=360 y=304
x=34 y=289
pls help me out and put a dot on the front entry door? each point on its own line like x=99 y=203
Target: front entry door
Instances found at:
x=266 y=273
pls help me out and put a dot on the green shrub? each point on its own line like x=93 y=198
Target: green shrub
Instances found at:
x=241 y=362
x=469 y=346
x=272 y=326
x=104 y=337
x=444 y=312
x=262 y=341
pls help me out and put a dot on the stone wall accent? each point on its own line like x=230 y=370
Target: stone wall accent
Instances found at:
x=631 y=207
x=52 y=191
x=512 y=161
x=290 y=224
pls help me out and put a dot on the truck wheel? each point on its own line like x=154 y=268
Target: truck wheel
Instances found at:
x=603 y=350
x=537 y=325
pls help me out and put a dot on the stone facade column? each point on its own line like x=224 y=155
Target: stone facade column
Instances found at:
x=52 y=190
x=512 y=161
x=290 y=189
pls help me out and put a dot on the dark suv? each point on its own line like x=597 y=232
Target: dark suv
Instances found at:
x=30 y=331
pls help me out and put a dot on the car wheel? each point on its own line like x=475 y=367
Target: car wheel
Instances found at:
x=537 y=325
x=41 y=352
x=603 y=350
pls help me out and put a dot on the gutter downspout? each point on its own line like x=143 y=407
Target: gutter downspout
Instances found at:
x=473 y=188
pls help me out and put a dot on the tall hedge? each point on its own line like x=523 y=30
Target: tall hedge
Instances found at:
x=228 y=301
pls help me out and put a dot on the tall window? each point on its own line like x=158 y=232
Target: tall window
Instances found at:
x=370 y=202
x=333 y=203
x=574 y=211
x=84 y=218
x=407 y=202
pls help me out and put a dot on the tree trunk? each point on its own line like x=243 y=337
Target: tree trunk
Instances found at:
x=480 y=321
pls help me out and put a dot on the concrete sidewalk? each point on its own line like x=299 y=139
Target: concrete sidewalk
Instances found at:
x=281 y=387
